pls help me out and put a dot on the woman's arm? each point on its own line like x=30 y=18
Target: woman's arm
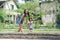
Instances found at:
x=22 y=17
x=28 y=25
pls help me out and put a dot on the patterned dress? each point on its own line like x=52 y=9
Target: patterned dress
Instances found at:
x=18 y=19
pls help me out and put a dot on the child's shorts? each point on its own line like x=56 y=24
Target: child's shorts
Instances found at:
x=30 y=28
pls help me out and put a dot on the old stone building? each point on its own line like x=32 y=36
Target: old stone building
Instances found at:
x=50 y=11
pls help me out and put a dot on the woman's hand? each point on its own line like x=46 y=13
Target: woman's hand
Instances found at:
x=26 y=22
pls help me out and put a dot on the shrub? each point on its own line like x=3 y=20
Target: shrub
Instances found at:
x=58 y=21
x=2 y=15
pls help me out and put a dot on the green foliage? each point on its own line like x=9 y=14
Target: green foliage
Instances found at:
x=48 y=1
x=58 y=26
x=38 y=15
x=37 y=26
x=28 y=5
x=58 y=16
x=8 y=26
x=40 y=12
x=58 y=21
x=49 y=25
x=2 y=15
x=22 y=6
x=19 y=10
x=31 y=5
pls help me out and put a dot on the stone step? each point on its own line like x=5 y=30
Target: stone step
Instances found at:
x=19 y=35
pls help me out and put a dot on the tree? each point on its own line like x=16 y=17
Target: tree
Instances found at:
x=32 y=6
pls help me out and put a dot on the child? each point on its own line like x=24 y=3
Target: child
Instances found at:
x=30 y=24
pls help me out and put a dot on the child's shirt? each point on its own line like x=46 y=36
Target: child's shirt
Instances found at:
x=30 y=24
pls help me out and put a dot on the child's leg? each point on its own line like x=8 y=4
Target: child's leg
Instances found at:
x=30 y=29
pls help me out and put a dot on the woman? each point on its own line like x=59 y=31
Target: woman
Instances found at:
x=20 y=19
x=19 y=22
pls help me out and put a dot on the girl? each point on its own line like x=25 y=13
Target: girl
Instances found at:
x=30 y=24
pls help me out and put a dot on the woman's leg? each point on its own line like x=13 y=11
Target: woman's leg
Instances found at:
x=20 y=28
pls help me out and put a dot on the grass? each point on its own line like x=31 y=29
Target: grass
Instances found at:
x=34 y=30
x=11 y=28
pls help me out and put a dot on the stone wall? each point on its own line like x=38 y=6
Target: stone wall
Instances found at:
x=30 y=35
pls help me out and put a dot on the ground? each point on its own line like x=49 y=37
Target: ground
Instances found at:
x=34 y=30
